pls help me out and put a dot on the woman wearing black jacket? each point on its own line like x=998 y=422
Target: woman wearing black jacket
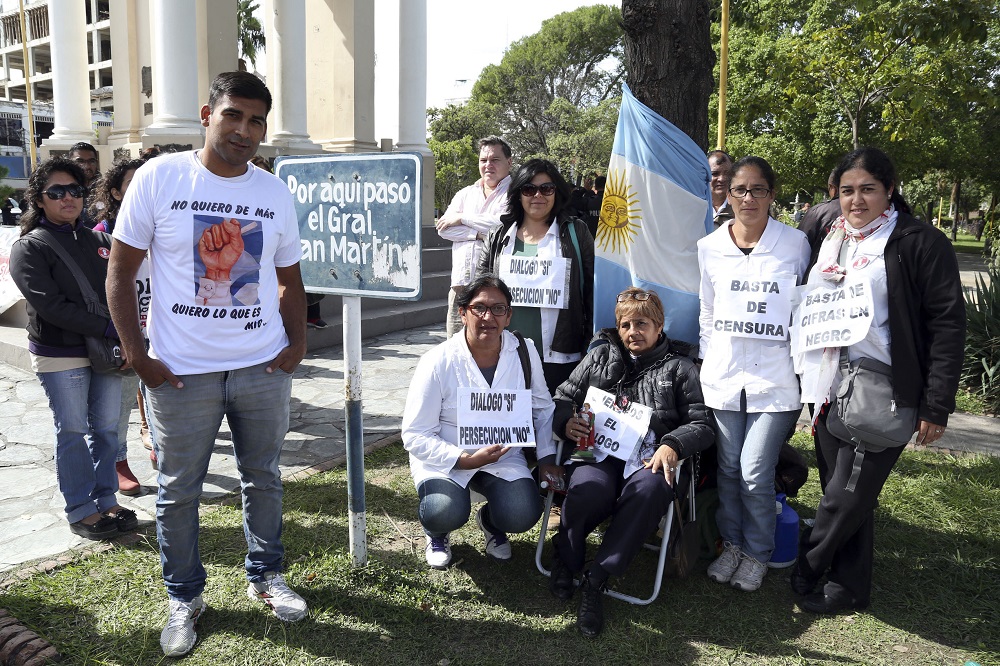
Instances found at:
x=85 y=404
x=917 y=328
x=635 y=369
x=556 y=313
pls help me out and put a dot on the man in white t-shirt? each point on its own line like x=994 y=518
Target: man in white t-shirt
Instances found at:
x=473 y=212
x=226 y=331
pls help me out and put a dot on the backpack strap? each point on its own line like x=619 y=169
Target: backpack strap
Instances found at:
x=522 y=352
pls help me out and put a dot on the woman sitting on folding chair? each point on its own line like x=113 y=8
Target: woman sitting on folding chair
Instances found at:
x=648 y=415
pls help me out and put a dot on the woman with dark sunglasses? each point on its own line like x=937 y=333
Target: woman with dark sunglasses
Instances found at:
x=643 y=388
x=457 y=433
x=85 y=404
x=546 y=257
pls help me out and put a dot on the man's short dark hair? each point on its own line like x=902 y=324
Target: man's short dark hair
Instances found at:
x=238 y=84
x=600 y=182
x=494 y=140
x=81 y=145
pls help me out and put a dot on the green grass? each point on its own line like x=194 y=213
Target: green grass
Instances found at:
x=967 y=244
x=970 y=402
x=935 y=601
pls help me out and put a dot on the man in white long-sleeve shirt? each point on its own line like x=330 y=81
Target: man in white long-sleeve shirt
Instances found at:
x=473 y=212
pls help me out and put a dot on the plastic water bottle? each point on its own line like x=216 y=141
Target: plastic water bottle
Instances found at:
x=786 y=534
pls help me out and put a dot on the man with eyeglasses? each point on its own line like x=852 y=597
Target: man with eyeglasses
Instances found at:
x=85 y=155
x=473 y=212
x=721 y=166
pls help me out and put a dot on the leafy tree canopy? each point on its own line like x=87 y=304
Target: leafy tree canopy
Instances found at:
x=555 y=94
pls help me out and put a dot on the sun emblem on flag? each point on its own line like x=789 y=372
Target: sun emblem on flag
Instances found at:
x=620 y=214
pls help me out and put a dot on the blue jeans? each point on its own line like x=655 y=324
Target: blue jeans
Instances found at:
x=130 y=384
x=85 y=408
x=511 y=506
x=748 y=445
x=186 y=422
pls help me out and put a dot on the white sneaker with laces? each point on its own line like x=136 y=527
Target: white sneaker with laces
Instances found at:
x=274 y=591
x=438 y=551
x=497 y=545
x=749 y=575
x=725 y=565
x=179 y=636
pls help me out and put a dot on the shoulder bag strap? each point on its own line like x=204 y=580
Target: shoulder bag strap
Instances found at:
x=89 y=295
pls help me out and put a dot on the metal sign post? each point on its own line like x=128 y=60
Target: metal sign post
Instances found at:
x=359 y=220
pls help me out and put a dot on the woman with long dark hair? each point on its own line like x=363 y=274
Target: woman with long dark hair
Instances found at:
x=546 y=256
x=917 y=329
x=85 y=404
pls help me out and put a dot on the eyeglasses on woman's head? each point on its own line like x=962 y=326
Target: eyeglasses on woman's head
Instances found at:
x=637 y=295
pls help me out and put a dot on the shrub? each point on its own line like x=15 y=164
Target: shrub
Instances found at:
x=981 y=371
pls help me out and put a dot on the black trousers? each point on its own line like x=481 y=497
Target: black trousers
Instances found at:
x=596 y=492
x=841 y=543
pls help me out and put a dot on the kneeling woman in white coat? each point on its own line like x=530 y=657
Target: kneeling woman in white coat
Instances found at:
x=450 y=382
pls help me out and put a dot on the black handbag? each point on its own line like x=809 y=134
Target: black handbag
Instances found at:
x=105 y=354
x=865 y=411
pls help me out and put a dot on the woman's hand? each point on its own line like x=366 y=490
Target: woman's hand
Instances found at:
x=484 y=456
x=928 y=433
x=576 y=428
x=665 y=459
x=555 y=475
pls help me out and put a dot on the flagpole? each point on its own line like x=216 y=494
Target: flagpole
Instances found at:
x=723 y=67
x=27 y=91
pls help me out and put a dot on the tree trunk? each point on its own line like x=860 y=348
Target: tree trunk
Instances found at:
x=669 y=60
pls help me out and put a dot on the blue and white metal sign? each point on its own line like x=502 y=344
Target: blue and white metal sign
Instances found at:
x=359 y=219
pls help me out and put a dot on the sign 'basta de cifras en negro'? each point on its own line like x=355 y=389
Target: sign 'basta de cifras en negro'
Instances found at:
x=359 y=220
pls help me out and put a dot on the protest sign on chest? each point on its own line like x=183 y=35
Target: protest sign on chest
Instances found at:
x=536 y=282
x=832 y=314
x=487 y=417
x=617 y=431
x=753 y=306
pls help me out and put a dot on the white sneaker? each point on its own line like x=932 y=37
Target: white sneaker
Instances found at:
x=725 y=565
x=497 y=545
x=749 y=575
x=438 y=551
x=178 y=637
x=274 y=591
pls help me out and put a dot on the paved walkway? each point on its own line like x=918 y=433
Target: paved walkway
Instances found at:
x=32 y=525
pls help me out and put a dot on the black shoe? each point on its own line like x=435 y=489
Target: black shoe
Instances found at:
x=802 y=584
x=105 y=528
x=824 y=604
x=590 y=616
x=561 y=583
x=125 y=519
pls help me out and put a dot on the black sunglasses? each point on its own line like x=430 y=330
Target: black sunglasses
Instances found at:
x=547 y=189
x=57 y=192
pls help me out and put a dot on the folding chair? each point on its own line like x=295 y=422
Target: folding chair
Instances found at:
x=665 y=526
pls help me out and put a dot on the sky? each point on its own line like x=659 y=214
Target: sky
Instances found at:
x=463 y=37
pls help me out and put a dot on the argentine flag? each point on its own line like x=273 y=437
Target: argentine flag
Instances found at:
x=657 y=204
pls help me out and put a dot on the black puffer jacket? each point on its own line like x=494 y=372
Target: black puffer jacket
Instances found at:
x=665 y=379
